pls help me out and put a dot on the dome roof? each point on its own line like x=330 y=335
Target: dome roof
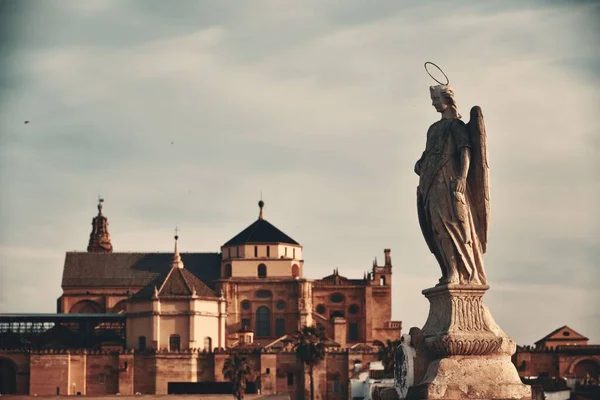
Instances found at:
x=260 y=231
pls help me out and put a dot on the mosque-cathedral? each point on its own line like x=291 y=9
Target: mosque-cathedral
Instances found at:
x=162 y=321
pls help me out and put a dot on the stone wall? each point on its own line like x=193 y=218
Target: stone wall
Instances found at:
x=126 y=373
x=50 y=374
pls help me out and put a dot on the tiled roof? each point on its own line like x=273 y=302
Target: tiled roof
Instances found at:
x=339 y=280
x=175 y=282
x=260 y=231
x=133 y=269
x=572 y=335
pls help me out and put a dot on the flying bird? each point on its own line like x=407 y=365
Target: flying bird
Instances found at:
x=26 y=122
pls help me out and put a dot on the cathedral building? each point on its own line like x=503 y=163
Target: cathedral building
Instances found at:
x=183 y=313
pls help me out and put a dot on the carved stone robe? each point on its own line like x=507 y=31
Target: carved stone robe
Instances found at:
x=445 y=215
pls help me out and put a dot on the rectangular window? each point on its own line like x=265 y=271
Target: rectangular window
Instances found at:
x=229 y=252
x=174 y=343
x=237 y=252
x=336 y=387
x=353 y=332
x=294 y=253
x=286 y=252
x=255 y=251
x=142 y=343
x=290 y=379
x=279 y=327
x=245 y=322
x=268 y=251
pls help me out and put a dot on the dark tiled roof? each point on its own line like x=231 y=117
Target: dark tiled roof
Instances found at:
x=175 y=282
x=260 y=231
x=133 y=269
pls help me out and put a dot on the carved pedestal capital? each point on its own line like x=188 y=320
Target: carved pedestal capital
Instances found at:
x=460 y=324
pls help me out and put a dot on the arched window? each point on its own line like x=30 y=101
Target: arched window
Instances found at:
x=86 y=307
x=227 y=271
x=263 y=322
x=262 y=271
x=382 y=281
x=142 y=343
x=335 y=314
x=353 y=309
x=174 y=343
x=120 y=307
x=208 y=343
x=295 y=270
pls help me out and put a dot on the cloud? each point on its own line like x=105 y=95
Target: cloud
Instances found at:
x=324 y=108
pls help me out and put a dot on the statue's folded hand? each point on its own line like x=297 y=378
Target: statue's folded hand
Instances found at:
x=460 y=185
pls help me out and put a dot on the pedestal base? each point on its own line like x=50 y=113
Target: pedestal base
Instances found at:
x=471 y=377
x=468 y=355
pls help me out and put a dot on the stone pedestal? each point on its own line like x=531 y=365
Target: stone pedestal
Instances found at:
x=469 y=355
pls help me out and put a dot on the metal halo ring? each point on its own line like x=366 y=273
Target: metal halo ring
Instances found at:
x=439 y=69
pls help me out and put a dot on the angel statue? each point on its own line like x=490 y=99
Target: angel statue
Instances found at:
x=453 y=192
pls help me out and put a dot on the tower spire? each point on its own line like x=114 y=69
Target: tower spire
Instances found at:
x=99 y=237
x=177 y=263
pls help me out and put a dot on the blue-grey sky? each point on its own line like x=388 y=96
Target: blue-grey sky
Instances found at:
x=321 y=105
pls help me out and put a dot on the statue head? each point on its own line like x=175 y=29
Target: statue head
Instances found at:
x=442 y=98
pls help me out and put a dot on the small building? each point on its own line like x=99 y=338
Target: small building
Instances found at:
x=176 y=311
x=560 y=362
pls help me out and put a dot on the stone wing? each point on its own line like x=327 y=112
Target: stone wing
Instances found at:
x=477 y=180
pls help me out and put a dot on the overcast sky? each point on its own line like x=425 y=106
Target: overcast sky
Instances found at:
x=181 y=113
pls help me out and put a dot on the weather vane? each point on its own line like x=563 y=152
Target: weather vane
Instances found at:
x=439 y=69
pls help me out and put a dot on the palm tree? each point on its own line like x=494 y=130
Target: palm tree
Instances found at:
x=310 y=349
x=238 y=370
x=387 y=356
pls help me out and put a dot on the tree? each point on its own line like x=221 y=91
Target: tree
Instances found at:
x=238 y=370
x=387 y=356
x=310 y=349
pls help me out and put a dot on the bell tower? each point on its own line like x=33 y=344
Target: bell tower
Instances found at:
x=382 y=275
x=100 y=238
